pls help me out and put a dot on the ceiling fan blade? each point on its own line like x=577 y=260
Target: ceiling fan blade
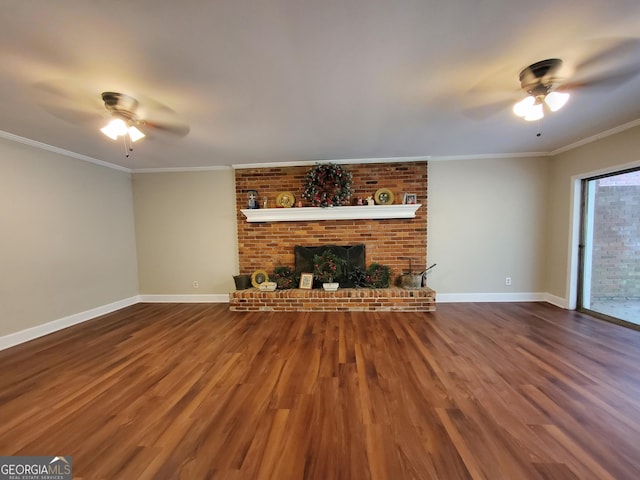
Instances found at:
x=67 y=102
x=610 y=67
x=491 y=93
x=74 y=116
x=152 y=107
x=175 y=129
x=605 y=81
x=158 y=116
x=615 y=51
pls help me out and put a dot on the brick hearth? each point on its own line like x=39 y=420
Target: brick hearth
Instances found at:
x=345 y=299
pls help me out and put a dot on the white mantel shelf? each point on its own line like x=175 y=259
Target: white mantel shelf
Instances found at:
x=302 y=214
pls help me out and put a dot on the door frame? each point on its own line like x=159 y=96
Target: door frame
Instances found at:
x=575 y=226
x=585 y=235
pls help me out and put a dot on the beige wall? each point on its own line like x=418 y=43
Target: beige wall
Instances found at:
x=186 y=232
x=607 y=154
x=67 y=242
x=487 y=221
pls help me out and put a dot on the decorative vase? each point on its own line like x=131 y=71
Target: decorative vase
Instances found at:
x=242 y=281
x=411 y=281
x=330 y=286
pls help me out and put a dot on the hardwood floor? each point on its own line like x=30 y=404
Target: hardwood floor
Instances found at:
x=193 y=391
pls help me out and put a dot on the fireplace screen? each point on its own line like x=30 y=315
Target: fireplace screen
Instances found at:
x=353 y=254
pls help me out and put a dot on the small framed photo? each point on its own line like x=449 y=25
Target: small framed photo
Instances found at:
x=410 y=199
x=306 y=281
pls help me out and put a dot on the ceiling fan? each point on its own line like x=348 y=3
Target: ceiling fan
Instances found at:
x=540 y=81
x=125 y=121
x=128 y=117
x=548 y=83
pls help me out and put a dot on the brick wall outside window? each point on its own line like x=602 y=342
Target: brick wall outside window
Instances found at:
x=616 y=242
x=388 y=242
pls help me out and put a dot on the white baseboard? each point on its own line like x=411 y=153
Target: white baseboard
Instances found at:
x=557 y=301
x=502 y=297
x=32 y=333
x=490 y=297
x=212 y=298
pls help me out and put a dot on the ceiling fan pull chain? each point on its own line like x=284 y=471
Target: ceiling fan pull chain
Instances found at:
x=126 y=150
x=539 y=134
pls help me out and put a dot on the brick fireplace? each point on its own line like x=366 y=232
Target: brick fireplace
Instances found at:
x=263 y=246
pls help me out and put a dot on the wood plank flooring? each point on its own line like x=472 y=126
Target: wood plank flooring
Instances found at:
x=193 y=391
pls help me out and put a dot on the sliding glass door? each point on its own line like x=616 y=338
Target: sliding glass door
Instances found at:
x=610 y=246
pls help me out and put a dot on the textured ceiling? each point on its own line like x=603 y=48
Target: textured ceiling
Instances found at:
x=301 y=80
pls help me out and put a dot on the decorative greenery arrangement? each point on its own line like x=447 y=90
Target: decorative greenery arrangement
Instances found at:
x=358 y=277
x=284 y=277
x=378 y=276
x=327 y=185
x=328 y=267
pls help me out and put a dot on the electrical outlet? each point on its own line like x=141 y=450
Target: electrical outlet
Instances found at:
x=196 y=284
x=507 y=281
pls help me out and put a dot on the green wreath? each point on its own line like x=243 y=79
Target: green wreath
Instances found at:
x=327 y=185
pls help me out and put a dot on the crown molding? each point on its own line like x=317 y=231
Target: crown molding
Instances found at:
x=60 y=151
x=181 y=169
x=489 y=156
x=597 y=136
x=424 y=158
x=345 y=161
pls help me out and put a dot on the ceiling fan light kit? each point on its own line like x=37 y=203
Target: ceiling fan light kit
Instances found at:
x=532 y=108
x=539 y=81
x=556 y=100
x=122 y=107
x=118 y=128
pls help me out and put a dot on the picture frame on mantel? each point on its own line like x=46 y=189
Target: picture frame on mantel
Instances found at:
x=306 y=281
x=410 y=199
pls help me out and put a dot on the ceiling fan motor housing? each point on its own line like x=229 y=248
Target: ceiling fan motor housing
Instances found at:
x=120 y=104
x=541 y=77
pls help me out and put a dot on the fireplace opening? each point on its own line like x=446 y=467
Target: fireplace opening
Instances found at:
x=353 y=254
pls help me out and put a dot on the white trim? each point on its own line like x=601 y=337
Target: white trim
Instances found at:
x=212 y=298
x=587 y=242
x=607 y=170
x=596 y=137
x=490 y=297
x=502 y=298
x=344 y=161
x=32 y=333
x=574 y=227
x=574 y=241
x=489 y=156
x=181 y=169
x=557 y=301
x=422 y=158
x=331 y=213
x=16 y=338
x=61 y=151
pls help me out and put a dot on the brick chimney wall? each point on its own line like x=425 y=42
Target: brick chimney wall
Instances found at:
x=389 y=242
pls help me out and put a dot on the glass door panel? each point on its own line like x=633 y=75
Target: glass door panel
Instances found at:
x=610 y=260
